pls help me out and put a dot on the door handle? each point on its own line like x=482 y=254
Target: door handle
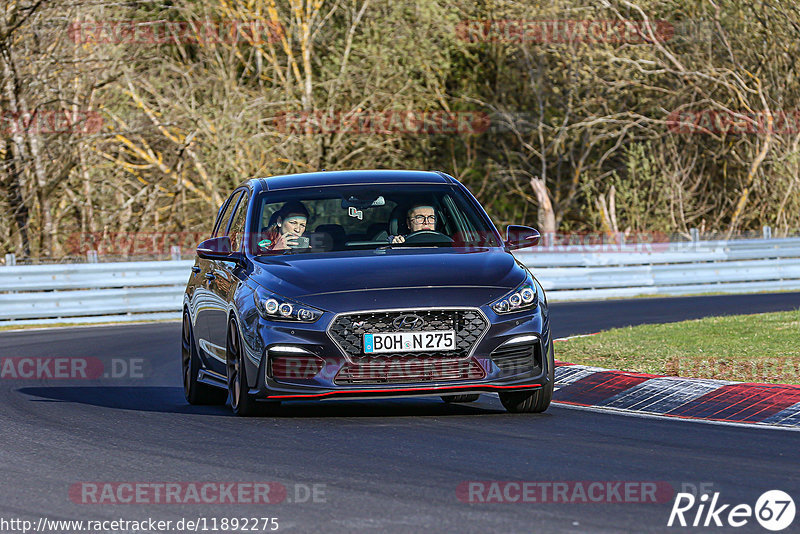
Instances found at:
x=210 y=276
x=196 y=269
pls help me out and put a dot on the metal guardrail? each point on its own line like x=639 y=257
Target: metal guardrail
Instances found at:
x=686 y=268
x=131 y=291
x=92 y=292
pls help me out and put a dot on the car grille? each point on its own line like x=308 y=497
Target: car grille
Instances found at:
x=348 y=331
x=395 y=370
x=520 y=359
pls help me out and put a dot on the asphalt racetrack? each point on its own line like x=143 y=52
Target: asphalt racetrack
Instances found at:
x=364 y=466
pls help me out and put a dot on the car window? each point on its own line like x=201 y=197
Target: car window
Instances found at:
x=350 y=217
x=224 y=218
x=237 y=226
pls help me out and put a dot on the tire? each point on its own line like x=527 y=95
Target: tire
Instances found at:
x=471 y=397
x=536 y=401
x=242 y=403
x=195 y=392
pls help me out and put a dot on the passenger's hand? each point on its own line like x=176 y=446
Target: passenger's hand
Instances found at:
x=292 y=240
x=398 y=239
x=280 y=242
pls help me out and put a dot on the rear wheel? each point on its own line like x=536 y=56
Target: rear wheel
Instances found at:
x=535 y=401
x=194 y=391
x=471 y=397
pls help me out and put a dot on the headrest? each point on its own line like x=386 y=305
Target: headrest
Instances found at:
x=397 y=221
x=336 y=230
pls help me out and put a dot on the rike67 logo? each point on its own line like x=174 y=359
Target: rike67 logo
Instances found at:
x=774 y=510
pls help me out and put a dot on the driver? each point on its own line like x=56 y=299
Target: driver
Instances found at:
x=420 y=217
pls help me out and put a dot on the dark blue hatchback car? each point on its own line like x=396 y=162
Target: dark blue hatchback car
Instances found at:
x=360 y=284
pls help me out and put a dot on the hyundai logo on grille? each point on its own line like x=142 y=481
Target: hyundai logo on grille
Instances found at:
x=408 y=321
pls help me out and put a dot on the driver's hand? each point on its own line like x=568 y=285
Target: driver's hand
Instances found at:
x=398 y=239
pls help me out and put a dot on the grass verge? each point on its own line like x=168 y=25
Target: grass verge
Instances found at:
x=747 y=348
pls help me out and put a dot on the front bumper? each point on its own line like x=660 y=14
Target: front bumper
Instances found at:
x=511 y=355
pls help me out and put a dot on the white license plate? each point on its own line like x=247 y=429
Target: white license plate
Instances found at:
x=436 y=340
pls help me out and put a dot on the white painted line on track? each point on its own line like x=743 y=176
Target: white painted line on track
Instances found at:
x=575 y=337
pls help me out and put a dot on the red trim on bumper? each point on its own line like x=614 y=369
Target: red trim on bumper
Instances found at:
x=399 y=390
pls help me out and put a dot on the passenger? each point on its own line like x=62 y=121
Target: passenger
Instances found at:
x=290 y=224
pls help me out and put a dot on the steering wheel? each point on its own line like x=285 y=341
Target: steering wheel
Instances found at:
x=427 y=236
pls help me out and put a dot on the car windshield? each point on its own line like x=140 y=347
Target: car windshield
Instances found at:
x=338 y=218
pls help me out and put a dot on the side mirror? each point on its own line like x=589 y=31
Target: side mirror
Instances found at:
x=219 y=248
x=521 y=236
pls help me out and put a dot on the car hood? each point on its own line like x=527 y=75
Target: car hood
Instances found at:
x=391 y=278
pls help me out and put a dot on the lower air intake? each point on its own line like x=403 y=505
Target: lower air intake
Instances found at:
x=395 y=370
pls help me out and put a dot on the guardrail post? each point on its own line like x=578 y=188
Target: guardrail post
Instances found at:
x=175 y=250
x=695 y=233
x=91 y=256
x=10 y=260
x=767 y=232
x=549 y=241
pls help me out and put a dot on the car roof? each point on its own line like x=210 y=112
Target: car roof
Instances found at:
x=323 y=178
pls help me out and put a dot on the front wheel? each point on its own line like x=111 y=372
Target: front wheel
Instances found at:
x=536 y=401
x=242 y=403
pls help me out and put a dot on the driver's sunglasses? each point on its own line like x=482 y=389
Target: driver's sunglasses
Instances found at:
x=422 y=219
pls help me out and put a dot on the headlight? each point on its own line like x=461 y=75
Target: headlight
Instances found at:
x=522 y=298
x=277 y=308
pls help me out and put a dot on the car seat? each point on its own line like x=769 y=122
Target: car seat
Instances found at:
x=336 y=233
